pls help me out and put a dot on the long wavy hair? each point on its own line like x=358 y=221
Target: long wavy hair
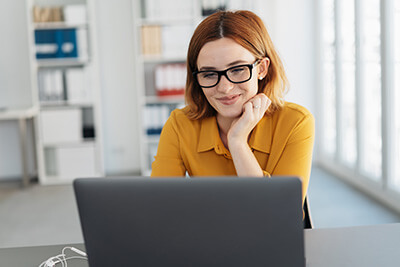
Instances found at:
x=248 y=30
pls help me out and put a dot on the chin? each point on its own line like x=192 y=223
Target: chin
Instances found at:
x=230 y=113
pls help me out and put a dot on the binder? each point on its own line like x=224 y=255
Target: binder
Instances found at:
x=56 y=43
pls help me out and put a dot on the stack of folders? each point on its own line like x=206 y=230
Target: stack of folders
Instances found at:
x=64 y=85
x=151 y=40
x=154 y=118
x=170 y=79
x=47 y=14
x=61 y=43
x=51 y=85
x=70 y=14
x=170 y=41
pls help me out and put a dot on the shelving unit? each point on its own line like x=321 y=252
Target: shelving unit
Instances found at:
x=154 y=104
x=171 y=26
x=65 y=67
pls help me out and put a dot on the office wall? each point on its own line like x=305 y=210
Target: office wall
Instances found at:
x=292 y=31
x=289 y=22
x=15 y=82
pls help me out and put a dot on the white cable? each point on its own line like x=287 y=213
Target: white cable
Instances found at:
x=62 y=258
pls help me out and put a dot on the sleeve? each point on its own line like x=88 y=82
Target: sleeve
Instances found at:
x=296 y=157
x=168 y=161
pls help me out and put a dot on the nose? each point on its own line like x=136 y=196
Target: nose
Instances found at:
x=224 y=84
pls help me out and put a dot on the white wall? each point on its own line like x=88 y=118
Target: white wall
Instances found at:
x=15 y=82
x=292 y=31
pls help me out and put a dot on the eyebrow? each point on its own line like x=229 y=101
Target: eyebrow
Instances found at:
x=236 y=62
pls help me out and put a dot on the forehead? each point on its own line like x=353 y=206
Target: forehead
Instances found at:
x=220 y=53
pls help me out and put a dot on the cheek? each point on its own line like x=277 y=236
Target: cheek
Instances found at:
x=251 y=88
x=208 y=93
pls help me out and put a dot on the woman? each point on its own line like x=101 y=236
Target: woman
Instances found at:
x=236 y=121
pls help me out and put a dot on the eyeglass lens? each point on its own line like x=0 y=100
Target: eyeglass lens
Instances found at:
x=236 y=74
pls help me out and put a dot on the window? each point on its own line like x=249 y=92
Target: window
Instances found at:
x=395 y=182
x=328 y=90
x=370 y=87
x=347 y=104
x=360 y=70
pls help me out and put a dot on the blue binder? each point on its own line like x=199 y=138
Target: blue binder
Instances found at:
x=56 y=43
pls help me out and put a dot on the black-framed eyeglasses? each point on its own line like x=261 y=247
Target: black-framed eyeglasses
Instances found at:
x=235 y=74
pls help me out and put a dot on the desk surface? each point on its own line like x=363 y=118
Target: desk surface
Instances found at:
x=376 y=245
x=14 y=114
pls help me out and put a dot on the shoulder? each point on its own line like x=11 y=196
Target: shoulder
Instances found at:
x=291 y=112
x=294 y=110
x=179 y=115
x=292 y=116
x=180 y=120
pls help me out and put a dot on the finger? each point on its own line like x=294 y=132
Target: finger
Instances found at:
x=248 y=107
x=256 y=104
x=265 y=102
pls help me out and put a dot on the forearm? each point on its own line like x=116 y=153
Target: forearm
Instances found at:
x=244 y=160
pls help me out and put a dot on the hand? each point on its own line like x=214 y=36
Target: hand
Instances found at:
x=253 y=111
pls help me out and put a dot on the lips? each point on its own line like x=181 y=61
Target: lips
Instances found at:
x=228 y=100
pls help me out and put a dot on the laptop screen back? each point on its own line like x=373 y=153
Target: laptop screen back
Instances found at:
x=191 y=222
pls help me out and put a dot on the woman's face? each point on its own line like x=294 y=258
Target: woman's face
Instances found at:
x=227 y=98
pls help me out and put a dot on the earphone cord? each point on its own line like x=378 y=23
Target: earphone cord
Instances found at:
x=62 y=258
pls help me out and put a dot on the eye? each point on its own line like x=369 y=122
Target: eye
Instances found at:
x=208 y=75
x=237 y=70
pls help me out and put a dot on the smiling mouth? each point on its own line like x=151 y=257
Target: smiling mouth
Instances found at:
x=228 y=100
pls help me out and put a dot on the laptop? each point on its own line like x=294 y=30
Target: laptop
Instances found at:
x=218 y=221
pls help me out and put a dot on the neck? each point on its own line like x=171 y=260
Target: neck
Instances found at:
x=224 y=124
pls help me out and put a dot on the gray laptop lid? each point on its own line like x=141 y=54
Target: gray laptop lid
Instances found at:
x=191 y=222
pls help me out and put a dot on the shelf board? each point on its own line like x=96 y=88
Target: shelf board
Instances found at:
x=165 y=99
x=61 y=62
x=62 y=104
x=11 y=114
x=58 y=25
x=152 y=139
x=166 y=21
x=89 y=142
x=162 y=58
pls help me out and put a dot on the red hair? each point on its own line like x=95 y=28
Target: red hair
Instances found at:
x=248 y=30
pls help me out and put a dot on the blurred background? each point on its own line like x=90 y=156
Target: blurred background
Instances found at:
x=86 y=86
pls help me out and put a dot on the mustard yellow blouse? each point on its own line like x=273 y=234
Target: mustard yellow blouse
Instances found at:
x=282 y=144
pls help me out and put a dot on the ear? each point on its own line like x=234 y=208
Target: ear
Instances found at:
x=263 y=68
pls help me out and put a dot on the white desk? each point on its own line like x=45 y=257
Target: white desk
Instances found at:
x=361 y=246
x=22 y=116
x=364 y=246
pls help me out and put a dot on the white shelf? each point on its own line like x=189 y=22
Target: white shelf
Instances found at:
x=152 y=139
x=162 y=59
x=165 y=21
x=11 y=114
x=61 y=62
x=59 y=158
x=58 y=25
x=146 y=65
x=89 y=142
x=63 y=104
